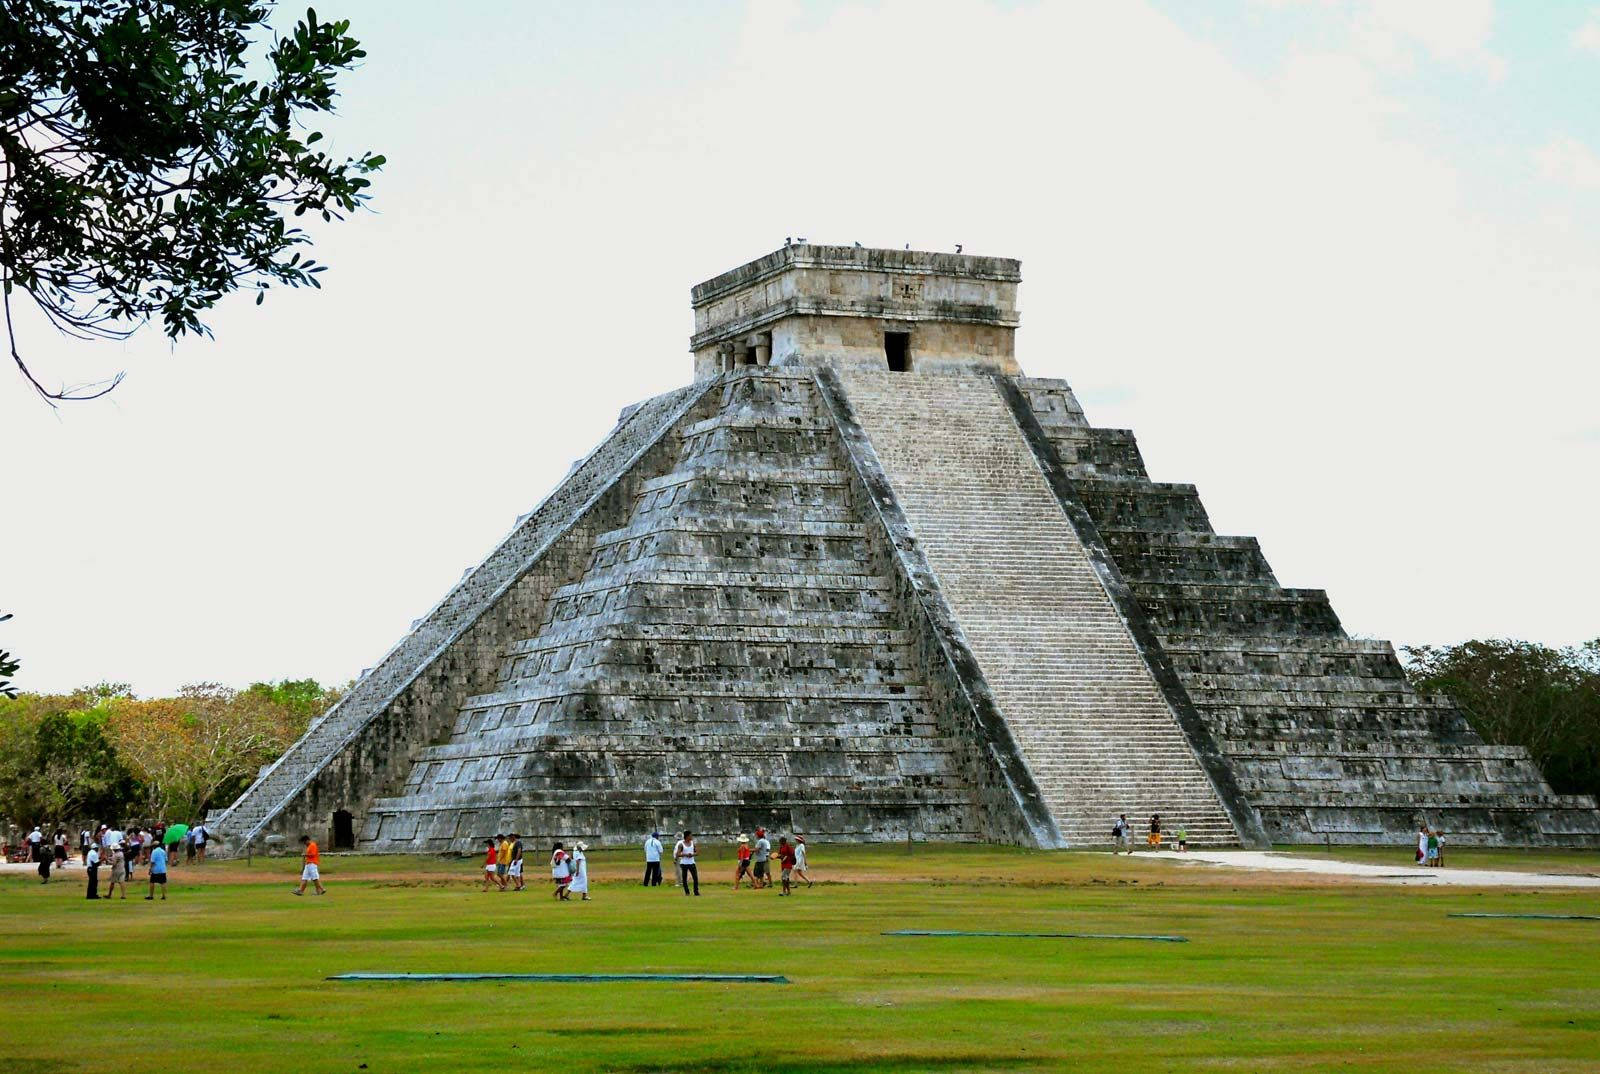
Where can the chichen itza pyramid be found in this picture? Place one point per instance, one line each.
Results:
(860, 580)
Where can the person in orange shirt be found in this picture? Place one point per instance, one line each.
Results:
(310, 874)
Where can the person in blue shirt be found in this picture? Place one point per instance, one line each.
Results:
(158, 873)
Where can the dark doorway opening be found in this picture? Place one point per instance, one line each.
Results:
(344, 830)
(897, 348)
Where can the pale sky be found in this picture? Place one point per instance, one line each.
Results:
(1338, 264)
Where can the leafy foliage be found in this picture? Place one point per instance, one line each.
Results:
(9, 666)
(101, 753)
(153, 158)
(1519, 693)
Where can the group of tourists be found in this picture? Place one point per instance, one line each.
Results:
(1122, 835)
(117, 852)
(754, 861)
(502, 867)
(1430, 847)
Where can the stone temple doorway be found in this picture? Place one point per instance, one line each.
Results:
(344, 830)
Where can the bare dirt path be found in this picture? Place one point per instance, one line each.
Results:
(1383, 874)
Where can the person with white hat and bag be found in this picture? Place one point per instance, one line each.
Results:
(580, 870)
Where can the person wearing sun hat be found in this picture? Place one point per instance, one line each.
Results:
(580, 870)
(743, 869)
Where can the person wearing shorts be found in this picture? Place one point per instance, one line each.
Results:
(502, 867)
(491, 862)
(515, 869)
(743, 868)
(310, 869)
(785, 862)
(761, 858)
(158, 874)
(1155, 831)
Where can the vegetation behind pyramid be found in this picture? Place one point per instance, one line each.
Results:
(863, 580)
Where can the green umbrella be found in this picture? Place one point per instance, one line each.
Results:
(175, 833)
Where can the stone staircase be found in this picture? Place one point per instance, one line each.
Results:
(1091, 722)
(731, 656)
(1325, 737)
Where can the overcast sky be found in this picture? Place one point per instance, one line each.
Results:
(1336, 263)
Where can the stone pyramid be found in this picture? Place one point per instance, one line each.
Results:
(862, 580)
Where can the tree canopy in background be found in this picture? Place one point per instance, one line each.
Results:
(100, 753)
(152, 157)
(1519, 693)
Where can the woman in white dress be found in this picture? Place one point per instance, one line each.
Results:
(580, 870)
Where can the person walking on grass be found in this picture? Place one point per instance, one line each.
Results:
(515, 871)
(683, 854)
(311, 867)
(118, 873)
(677, 867)
(800, 859)
(490, 861)
(762, 859)
(580, 870)
(502, 862)
(158, 873)
(742, 870)
(652, 860)
(785, 862)
(561, 871)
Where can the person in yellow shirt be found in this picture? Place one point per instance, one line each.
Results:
(502, 862)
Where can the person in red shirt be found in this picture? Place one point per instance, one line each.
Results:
(311, 872)
(785, 862)
(744, 862)
(489, 860)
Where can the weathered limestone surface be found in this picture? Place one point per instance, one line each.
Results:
(1324, 735)
(861, 581)
(1096, 731)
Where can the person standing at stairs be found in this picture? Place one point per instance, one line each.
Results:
(1155, 831)
(310, 870)
(1122, 835)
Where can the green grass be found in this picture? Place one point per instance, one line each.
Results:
(1282, 973)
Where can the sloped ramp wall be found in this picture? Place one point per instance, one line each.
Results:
(368, 740)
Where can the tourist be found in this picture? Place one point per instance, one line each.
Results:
(46, 858)
(200, 836)
(34, 839)
(743, 868)
(1183, 839)
(135, 840)
(1122, 835)
(1155, 831)
(310, 871)
(515, 871)
(91, 862)
(129, 853)
(158, 873)
(761, 857)
(683, 854)
(1422, 844)
(785, 862)
(800, 859)
(61, 847)
(502, 862)
(490, 862)
(85, 841)
(1433, 849)
(118, 872)
(677, 866)
(560, 871)
(580, 870)
(652, 860)
(188, 846)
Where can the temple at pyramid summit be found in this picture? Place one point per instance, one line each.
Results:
(862, 579)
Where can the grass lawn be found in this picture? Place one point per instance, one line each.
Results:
(1282, 973)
